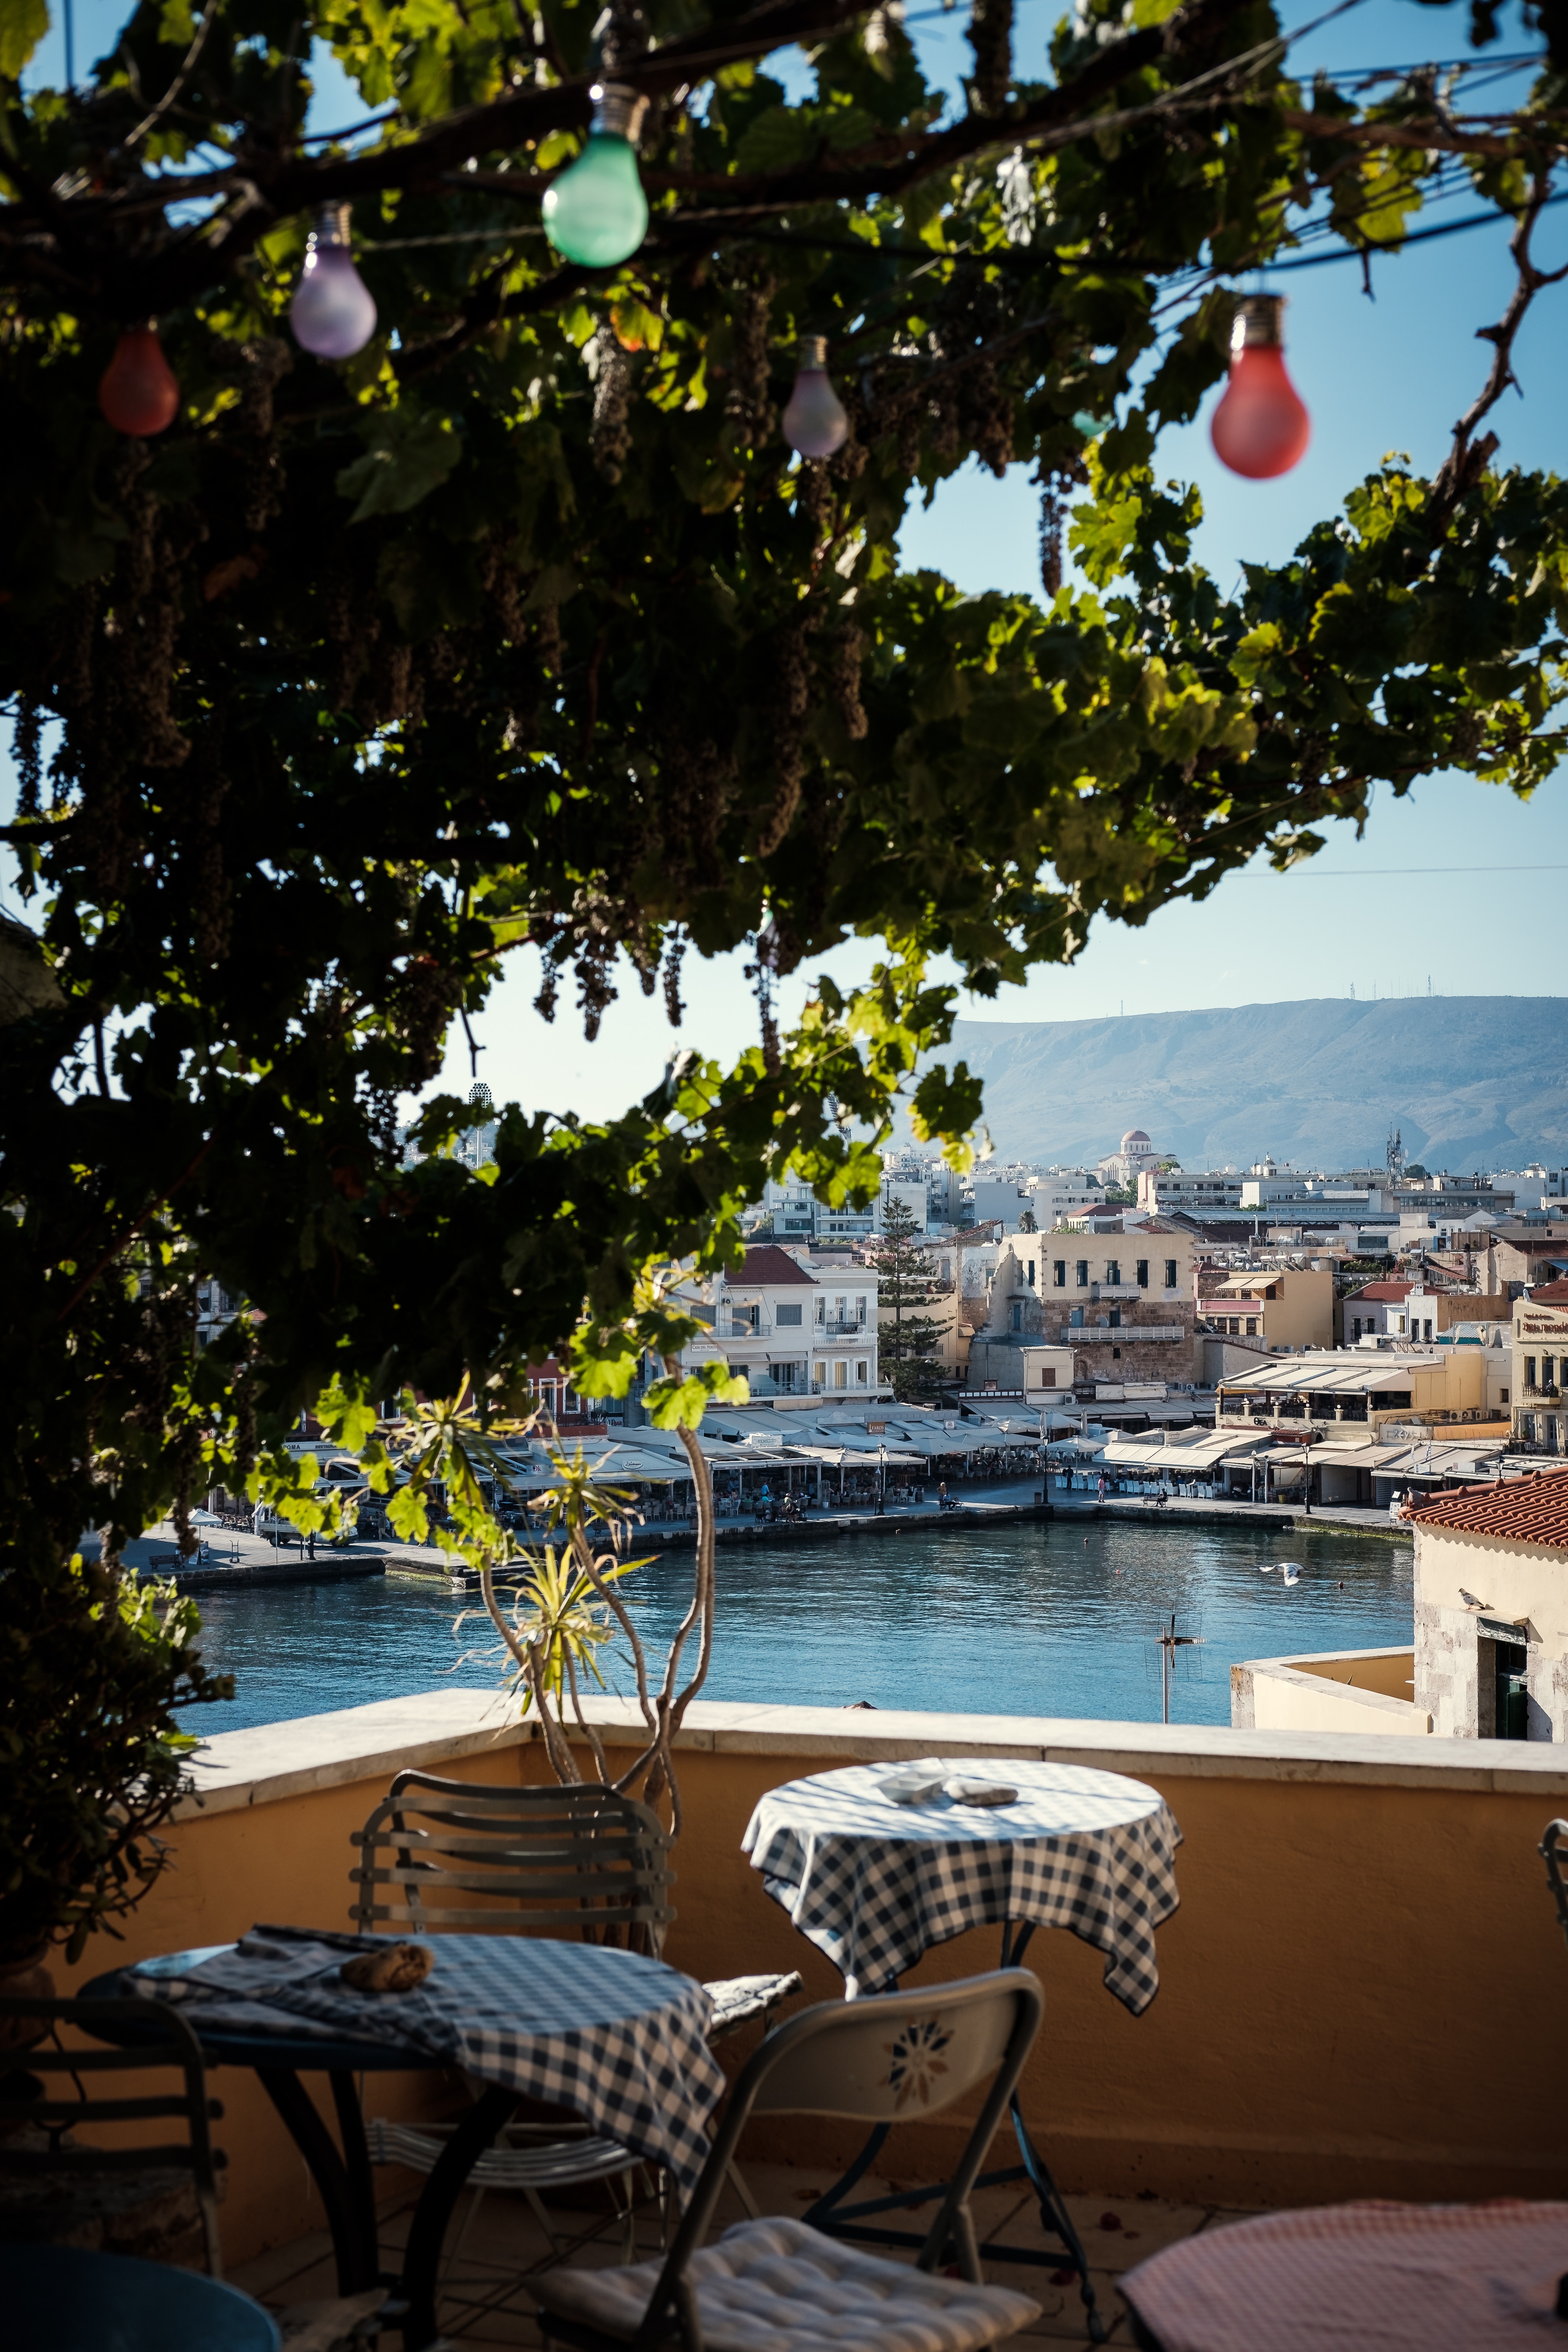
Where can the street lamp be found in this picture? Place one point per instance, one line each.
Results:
(882, 1481)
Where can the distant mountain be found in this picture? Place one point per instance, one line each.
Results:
(1470, 1081)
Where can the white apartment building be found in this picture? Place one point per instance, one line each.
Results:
(794, 1327)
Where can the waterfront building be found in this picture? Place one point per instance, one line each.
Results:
(1374, 1388)
(1540, 1339)
(1491, 1610)
(794, 1326)
(1285, 1306)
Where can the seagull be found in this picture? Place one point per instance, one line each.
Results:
(1290, 1571)
(1268, 1570)
(1470, 1601)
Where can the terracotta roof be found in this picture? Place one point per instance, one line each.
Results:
(1392, 1294)
(1532, 1510)
(1550, 1294)
(768, 1265)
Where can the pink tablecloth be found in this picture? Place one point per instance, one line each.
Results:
(1371, 2277)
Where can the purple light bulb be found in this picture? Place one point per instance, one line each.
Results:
(332, 313)
(815, 421)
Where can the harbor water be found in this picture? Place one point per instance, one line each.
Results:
(1055, 1617)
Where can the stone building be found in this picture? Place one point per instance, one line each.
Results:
(1491, 1610)
(1011, 1351)
(1540, 1400)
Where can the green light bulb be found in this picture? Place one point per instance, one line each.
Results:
(596, 213)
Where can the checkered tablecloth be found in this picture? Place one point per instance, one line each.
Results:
(874, 1884)
(620, 2040)
(1369, 2277)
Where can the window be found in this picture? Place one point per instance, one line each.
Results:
(1030, 1271)
(1017, 1318)
(1252, 1326)
(1113, 1272)
(1530, 1371)
(1428, 1330)
(1358, 1326)
(822, 1310)
(841, 1374)
(861, 1371)
(1083, 1274)
(1059, 1274)
(1548, 1372)
(787, 1318)
(1143, 1273)
(1170, 1274)
(1047, 1376)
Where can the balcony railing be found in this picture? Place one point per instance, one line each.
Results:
(849, 1327)
(1083, 1334)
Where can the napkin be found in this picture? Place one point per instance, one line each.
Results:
(912, 1788)
(981, 1793)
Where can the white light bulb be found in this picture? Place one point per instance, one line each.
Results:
(333, 311)
(815, 421)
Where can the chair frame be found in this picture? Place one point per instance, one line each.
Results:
(673, 2303)
(177, 2047)
(1556, 1833)
(562, 1839)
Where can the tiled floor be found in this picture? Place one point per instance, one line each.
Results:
(484, 2301)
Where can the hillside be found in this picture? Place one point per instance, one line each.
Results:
(1471, 1081)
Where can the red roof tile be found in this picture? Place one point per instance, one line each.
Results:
(1550, 1294)
(1532, 1510)
(1392, 1294)
(768, 1265)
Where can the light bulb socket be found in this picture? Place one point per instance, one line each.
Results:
(619, 111)
(811, 352)
(1259, 323)
(330, 226)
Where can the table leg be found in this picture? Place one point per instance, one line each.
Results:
(342, 2180)
(422, 2256)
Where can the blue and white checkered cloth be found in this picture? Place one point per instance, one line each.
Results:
(874, 1884)
(620, 2040)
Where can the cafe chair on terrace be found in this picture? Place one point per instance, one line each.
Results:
(896, 2057)
(582, 1860)
(54, 2190)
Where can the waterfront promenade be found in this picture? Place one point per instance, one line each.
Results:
(251, 1558)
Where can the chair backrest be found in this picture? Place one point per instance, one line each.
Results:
(163, 2039)
(454, 1856)
(896, 2057)
(1551, 1844)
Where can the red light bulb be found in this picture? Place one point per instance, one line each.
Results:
(139, 393)
(1261, 427)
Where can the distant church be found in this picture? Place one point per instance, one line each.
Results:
(1123, 1166)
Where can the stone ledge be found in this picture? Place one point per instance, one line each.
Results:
(365, 1743)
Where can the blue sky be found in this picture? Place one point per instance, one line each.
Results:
(1443, 883)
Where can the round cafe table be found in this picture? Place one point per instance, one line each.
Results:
(875, 1884)
(612, 2036)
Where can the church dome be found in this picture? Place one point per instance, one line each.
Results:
(1134, 1139)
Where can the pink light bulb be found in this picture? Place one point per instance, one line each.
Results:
(1261, 427)
(138, 392)
(815, 421)
(333, 311)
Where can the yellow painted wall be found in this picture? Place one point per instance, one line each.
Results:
(1290, 1701)
(1313, 2037)
(1514, 1579)
(1391, 1673)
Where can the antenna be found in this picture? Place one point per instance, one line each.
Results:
(1170, 1643)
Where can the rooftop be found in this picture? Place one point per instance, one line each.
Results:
(1349, 1369)
(1529, 1510)
(770, 1263)
(1550, 1294)
(1391, 1294)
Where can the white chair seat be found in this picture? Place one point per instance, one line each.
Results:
(737, 1999)
(776, 2285)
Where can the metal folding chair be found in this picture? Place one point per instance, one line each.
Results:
(892, 2058)
(583, 1859)
(38, 2125)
